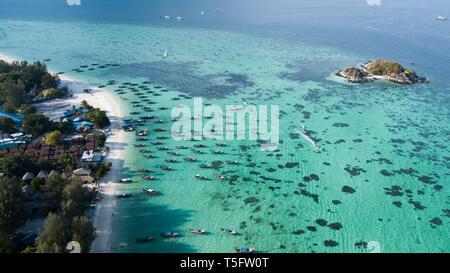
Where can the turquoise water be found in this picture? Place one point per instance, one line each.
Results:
(387, 142)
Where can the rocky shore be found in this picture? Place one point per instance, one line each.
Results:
(381, 69)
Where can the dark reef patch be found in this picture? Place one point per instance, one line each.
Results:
(184, 76)
(340, 124)
(298, 232)
(291, 165)
(354, 171)
(336, 226)
(330, 243)
(321, 222)
(315, 197)
(311, 228)
(251, 199)
(217, 164)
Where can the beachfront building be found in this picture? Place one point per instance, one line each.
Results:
(83, 126)
(91, 157)
(84, 174)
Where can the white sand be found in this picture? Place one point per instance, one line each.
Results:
(104, 211)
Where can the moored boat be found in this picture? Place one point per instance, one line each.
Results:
(200, 177)
(124, 195)
(196, 230)
(219, 176)
(146, 239)
(244, 250)
(169, 234)
(228, 231)
(125, 180)
(149, 191)
(147, 177)
(231, 162)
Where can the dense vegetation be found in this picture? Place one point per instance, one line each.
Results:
(386, 67)
(20, 82)
(97, 116)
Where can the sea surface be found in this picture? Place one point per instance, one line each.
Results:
(382, 181)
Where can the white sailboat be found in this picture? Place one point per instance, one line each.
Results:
(165, 54)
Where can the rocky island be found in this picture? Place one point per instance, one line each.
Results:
(381, 69)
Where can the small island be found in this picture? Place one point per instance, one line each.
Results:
(381, 69)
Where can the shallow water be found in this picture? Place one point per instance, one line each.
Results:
(389, 143)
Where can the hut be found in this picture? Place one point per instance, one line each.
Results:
(28, 176)
(54, 172)
(42, 174)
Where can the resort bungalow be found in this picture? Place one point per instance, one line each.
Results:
(28, 176)
(42, 174)
(84, 174)
(91, 157)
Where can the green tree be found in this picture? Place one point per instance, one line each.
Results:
(12, 94)
(36, 124)
(17, 164)
(83, 232)
(102, 170)
(11, 204)
(6, 245)
(50, 81)
(99, 118)
(7, 125)
(79, 195)
(36, 184)
(54, 238)
(66, 162)
(54, 138)
(100, 140)
(4, 67)
(55, 187)
(27, 109)
(33, 74)
(64, 127)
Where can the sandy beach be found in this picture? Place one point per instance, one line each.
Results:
(104, 211)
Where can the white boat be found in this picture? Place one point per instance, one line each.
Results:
(165, 17)
(165, 54)
(125, 180)
(309, 139)
(179, 18)
(441, 18)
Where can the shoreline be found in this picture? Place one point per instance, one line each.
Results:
(104, 210)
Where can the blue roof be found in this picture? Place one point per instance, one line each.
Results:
(11, 116)
(83, 123)
(69, 113)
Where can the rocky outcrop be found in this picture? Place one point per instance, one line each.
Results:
(354, 74)
(381, 69)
